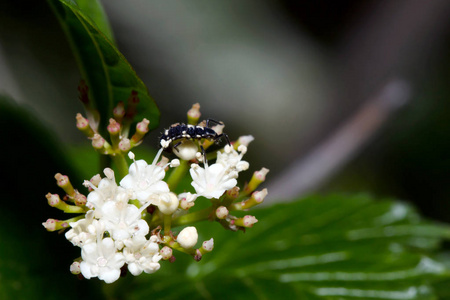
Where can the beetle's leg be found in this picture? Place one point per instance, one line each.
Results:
(217, 138)
(208, 121)
(176, 145)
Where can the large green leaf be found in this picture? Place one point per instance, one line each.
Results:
(109, 76)
(319, 248)
(94, 10)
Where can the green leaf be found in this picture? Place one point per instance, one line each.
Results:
(34, 263)
(109, 76)
(336, 247)
(94, 10)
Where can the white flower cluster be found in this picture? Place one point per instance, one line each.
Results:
(113, 233)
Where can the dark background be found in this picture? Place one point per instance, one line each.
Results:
(291, 73)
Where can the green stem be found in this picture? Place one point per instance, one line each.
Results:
(121, 164)
(197, 216)
(105, 161)
(177, 174)
(167, 224)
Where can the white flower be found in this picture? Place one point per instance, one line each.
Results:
(83, 231)
(144, 180)
(142, 255)
(232, 159)
(188, 237)
(100, 259)
(212, 181)
(123, 220)
(107, 190)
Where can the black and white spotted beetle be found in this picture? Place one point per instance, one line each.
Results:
(194, 132)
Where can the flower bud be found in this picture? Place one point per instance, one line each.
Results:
(75, 268)
(54, 225)
(119, 111)
(53, 199)
(187, 150)
(257, 178)
(166, 252)
(168, 203)
(246, 221)
(124, 145)
(208, 245)
(243, 140)
(184, 204)
(63, 182)
(98, 142)
(141, 130)
(50, 224)
(256, 198)
(113, 127)
(83, 125)
(221, 212)
(188, 237)
(80, 199)
(193, 115)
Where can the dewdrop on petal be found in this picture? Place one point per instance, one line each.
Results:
(188, 237)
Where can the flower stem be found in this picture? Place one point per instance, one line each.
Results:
(177, 174)
(167, 224)
(121, 164)
(197, 216)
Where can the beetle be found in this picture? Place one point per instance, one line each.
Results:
(194, 132)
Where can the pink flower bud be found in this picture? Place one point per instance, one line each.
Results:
(194, 114)
(221, 212)
(261, 174)
(50, 224)
(119, 111)
(113, 127)
(53, 199)
(82, 122)
(75, 268)
(97, 141)
(208, 245)
(166, 252)
(143, 126)
(80, 200)
(259, 195)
